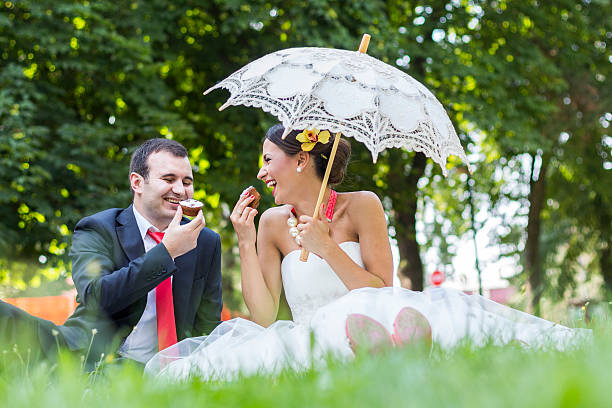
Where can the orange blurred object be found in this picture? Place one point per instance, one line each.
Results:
(53, 308)
(58, 308)
(225, 313)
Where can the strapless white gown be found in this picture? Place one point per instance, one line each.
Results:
(320, 303)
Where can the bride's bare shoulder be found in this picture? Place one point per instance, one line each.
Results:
(360, 200)
(275, 216)
(272, 225)
(359, 203)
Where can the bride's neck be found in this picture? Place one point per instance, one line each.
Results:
(305, 204)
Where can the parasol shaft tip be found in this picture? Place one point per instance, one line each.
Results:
(365, 41)
(286, 132)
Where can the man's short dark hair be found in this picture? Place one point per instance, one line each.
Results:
(141, 155)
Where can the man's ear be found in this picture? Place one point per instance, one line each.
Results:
(136, 182)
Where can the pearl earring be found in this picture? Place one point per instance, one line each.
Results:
(299, 169)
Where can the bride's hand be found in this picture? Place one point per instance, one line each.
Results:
(314, 233)
(242, 219)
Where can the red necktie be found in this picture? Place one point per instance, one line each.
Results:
(164, 306)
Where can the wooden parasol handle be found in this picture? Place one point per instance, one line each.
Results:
(365, 41)
(363, 48)
(332, 155)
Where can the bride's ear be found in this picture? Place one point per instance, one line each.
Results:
(303, 159)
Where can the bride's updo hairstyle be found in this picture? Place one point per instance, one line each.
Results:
(320, 152)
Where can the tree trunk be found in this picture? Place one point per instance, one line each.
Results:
(403, 190)
(605, 264)
(533, 264)
(605, 255)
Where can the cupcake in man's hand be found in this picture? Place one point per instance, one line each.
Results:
(191, 207)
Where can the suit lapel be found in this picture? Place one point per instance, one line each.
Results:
(129, 234)
(131, 242)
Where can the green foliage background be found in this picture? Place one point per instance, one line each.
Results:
(527, 84)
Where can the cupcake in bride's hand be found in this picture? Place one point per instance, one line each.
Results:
(250, 190)
(191, 207)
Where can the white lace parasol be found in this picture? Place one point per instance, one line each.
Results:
(348, 92)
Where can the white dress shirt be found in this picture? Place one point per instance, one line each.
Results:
(142, 344)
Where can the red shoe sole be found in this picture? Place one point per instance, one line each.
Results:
(410, 326)
(365, 333)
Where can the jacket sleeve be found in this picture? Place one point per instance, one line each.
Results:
(208, 315)
(99, 282)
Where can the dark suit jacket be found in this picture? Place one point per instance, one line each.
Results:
(113, 275)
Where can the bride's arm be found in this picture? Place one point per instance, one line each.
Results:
(366, 214)
(261, 290)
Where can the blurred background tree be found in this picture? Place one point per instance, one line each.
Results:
(526, 84)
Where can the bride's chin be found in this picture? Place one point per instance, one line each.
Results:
(282, 199)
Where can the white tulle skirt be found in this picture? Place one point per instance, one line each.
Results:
(240, 347)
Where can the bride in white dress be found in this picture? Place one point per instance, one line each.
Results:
(341, 298)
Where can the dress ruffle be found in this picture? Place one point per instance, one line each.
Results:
(321, 303)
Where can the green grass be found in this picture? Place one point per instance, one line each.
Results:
(486, 377)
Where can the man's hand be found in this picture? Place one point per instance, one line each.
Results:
(180, 239)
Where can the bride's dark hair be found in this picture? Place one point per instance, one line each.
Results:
(320, 153)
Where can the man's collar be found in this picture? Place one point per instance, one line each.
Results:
(143, 224)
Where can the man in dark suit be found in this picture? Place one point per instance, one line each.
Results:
(123, 268)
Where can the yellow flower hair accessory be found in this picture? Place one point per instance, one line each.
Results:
(310, 137)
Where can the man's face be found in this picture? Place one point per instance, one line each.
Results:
(170, 180)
